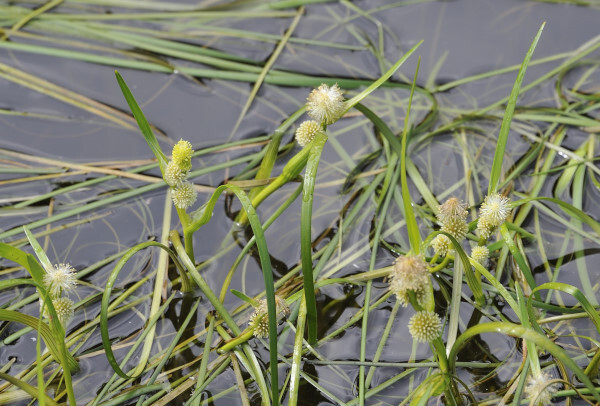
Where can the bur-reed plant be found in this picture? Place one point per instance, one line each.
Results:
(427, 273)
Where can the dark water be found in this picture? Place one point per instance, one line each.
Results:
(464, 37)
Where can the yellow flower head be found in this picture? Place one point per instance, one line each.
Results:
(182, 155)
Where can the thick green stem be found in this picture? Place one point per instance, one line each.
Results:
(290, 172)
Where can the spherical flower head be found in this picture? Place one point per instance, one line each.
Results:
(457, 227)
(451, 208)
(441, 244)
(484, 228)
(64, 309)
(480, 255)
(182, 155)
(539, 390)
(260, 320)
(425, 326)
(307, 131)
(184, 195)
(59, 279)
(325, 104)
(174, 176)
(409, 273)
(495, 208)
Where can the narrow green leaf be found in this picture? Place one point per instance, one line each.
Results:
(573, 291)
(244, 297)
(359, 97)
(143, 123)
(39, 252)
(201, 218)
(316, 148)
(508, 115)
(31, 391)
(411, 221)
(521, 261)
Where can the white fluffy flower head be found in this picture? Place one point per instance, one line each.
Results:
(184, 195)
(410, 273)
(539, 390)
(495, 209)
(451, 208)
(174, 176)
(59, 279)
(325, 104)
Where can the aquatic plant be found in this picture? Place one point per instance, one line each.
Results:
(394, 246)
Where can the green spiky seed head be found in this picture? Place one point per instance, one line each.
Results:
(422, 295)
(425, 326)
(64, 308)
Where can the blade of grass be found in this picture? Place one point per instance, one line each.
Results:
(508, 114)
(411, 221)
(316, 148)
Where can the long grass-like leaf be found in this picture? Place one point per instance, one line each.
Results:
(508, 114)
(143, 123)
(201, 218)
(573, 291)
(412, 227)
(316, 147)
(357, 99)
(31, 391)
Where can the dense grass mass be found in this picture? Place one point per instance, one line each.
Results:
(319, 216)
